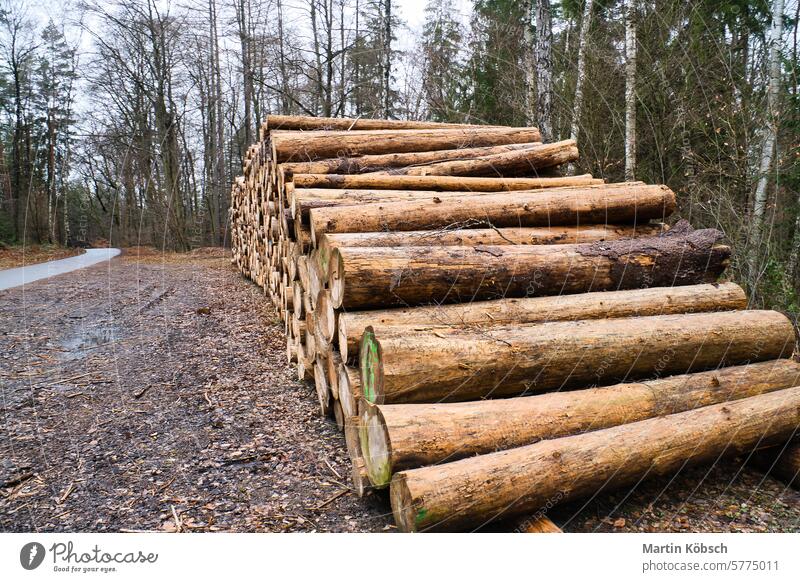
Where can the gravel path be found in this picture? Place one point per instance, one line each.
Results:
(152, 393)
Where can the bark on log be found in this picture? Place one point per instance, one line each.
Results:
(302, 201)
(599, 305)
(395, 437)
(306, 123)
(292, 145)
(517, 163)
(453, 364)
(361, 164)
(526, 479)
(363, 278)
(612, 203)
(437, 183)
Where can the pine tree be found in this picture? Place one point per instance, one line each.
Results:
(443, 76)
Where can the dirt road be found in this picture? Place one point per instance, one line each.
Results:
(152, 393)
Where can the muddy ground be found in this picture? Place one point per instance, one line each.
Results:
(152, 393)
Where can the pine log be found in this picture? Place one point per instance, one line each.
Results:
(612, 204)
(438, 183)
(302, 201)
(307, 123)
(349, 390)
(454, 364)
(599, 305)
(470, 491)
(521, 162)
(338, 415)
(363, 278)
(321, 386)
(359, 476)
(395, 437)
(482, 236)
(361, 164)
(292, 145)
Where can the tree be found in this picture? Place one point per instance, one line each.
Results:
(630, 89)
(443, 73)
(577, 106)
(544, 69)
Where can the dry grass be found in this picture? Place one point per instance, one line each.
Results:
(19, 256)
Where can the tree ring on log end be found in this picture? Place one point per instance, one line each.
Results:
(336, 278)
(376, 446)
(402, 506)
(370, 367)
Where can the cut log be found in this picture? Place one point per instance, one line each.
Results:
(599, 305)
(359, 475)
(396, 437)
(360, 164)
(438, 183)
(516, 163)
(526, 479)
(363, 278)
(351, 436)
(613, 204)
(349, 390)
(455, 364)
(338, 415)
(292, 145)
(303, 200)
(482, 236)
(321, 386)
(306, 123)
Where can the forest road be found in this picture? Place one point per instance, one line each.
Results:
(10, 278)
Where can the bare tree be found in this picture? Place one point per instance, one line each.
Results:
(577, 107)
(544, 69)
(630, 89)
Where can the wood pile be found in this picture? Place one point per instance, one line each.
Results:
(493, 337)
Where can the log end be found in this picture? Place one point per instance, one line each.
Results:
(406, 517)
(370, 359)
(321, 385)
(375, 446)
(336, 278)
(325, 316)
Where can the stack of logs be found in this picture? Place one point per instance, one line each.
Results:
(492, 337)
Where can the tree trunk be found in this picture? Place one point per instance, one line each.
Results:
(387, 59)
(305, 123)
(577, 106)
(520, 162)
(473, 237)
(471, 491)
(611, 203)
(395, 437)
(630, 89)
(364, 278)
(310, 145)
(458, 364)
(770, 131)
(544, 69)
(376, 163)
(600, 305)
(464, 184)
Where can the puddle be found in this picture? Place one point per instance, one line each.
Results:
(87, 339)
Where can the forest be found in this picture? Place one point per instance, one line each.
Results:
(127, 120)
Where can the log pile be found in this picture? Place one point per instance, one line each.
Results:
(490, 335)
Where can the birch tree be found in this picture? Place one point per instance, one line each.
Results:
(577, 107)
(630, 90)
(770, 130)
(544, 69)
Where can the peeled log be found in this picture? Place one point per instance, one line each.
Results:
(395, 437)
(359, 164)
(521, 162)
(526, 479)
(363, 278)
(310, 145)
(456, 364)
(472, 237)
(437, 183)
(600, 305)
(611, 203)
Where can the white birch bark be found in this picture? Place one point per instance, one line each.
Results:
(770, 132)
(544, 69)
(630, 90)
(586, 21)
